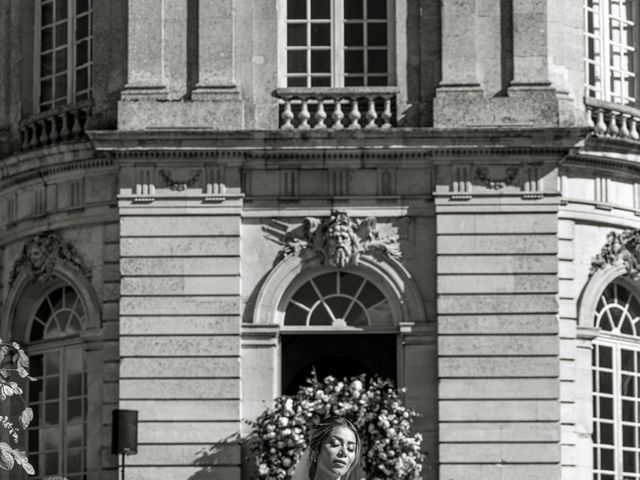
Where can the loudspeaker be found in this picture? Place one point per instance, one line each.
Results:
(124, 431)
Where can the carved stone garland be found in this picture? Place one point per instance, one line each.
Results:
(40, 254)
(621, 249)
(340, 239)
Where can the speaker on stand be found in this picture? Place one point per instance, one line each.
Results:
(124, 433)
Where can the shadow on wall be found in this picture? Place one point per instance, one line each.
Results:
(221, 455)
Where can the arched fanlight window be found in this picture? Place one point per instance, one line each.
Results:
(56, 439)
(616, 385)
(338, 299)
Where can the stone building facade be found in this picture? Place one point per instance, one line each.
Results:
(186, 185)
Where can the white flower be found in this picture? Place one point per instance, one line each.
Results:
(356, 385)
(283, 421)
(263, 469)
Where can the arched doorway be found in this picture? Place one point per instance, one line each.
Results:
(339, 323)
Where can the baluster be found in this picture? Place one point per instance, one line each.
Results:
(320, 116)
(601, 127)
(337, 116)
(287, 116)
(25, 138)
(612, 128)
(33, 143)
(65, 133)
(371, 114)
(55, 135)
(44, 136)
(624, 131)
(590, 123)
(354, 115)
(386, 113)
(633, 129)
(304, 115)
(76, 130)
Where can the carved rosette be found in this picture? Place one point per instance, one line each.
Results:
(620, 249)
(40, 255)
(340, 239)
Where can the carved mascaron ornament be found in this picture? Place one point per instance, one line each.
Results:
(40, 254)
(621, 249)
(340, 239)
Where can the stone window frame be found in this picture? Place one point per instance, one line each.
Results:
(70, 68)
(616, 343)
(63, 346)
(337, 47)
(16, 306)
(598, 23)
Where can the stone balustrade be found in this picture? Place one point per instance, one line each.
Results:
(612, 120)
(54, 126)
(337, 108)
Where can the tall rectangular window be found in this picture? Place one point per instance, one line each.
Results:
(338, 43)
(611, 36)
(64, 33)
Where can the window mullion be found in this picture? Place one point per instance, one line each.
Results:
(617, 409)
(337, 43)
(37, 48)
(605, 46)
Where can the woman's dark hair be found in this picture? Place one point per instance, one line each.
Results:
(319, 434)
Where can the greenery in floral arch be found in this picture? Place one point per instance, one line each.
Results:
(374, 405)
(14, 361)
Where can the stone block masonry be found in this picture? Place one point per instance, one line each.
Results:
(180, 340)
(498, 346)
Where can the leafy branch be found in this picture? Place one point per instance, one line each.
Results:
(14, 361)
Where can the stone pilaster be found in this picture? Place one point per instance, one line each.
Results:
(180, 322)
(498, 346)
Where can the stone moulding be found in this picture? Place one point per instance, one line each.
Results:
(339, 239)
(40, 255)
(179, 185)
(620, 249)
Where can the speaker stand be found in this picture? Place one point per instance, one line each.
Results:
(122, 478)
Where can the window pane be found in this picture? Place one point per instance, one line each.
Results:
(606, 433)
(606, 408)
(51, 463)
(82, 6)
(357, 81)
(320, 316)
(61, 60)
(82, 27)
(296, 34)
(338, 306)
(370, 295)
(376, 8)
(61, 34)
(353, 9)
(306, 295)
(353, 35)
(377, 81)
(296, 61)
(51, 363)
(295, 316)
(377, 61)
(46, 64)
(61, 87)
(353, 61)
(321, 34)
(320, 8)
(604, 356)
(326, 283)
(74, 411)
(606, 459)
(73, 436)
(74, 384)
(321, 61)
(47, 14)
(320, 81)
(51, 413)
(46, 39)
(357, 317)
(51, 387)
(296, 81)
(377, 34)
(606, 383)
(74, 461)
(296, 9)
(61, 10)
(349, 284)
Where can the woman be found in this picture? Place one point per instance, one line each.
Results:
(333, 452)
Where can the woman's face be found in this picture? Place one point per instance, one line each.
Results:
(337, 453)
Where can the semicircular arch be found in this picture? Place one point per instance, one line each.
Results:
(63, 275)
(387, 274)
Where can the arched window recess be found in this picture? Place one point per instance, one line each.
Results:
(340, 274)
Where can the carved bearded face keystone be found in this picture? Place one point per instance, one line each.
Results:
(37, 255)
(340, 240)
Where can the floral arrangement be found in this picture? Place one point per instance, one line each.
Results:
(14, 361)
(375, 407)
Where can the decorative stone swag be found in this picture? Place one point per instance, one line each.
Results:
(337, 108)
